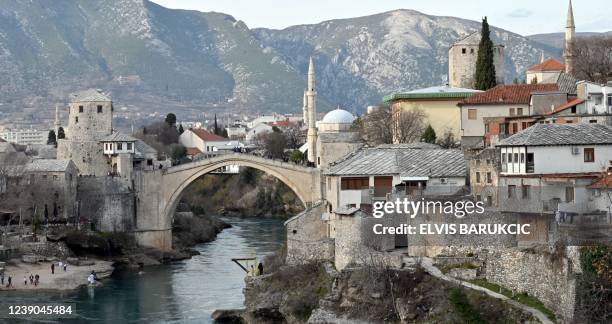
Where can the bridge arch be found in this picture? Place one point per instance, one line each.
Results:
(160, 191)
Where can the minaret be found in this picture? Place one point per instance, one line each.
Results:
(305, 108)
(311, 97)
(542, 57)
(56, 125)
(570, 32)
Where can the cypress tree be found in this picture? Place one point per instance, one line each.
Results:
(485, 69)
(181, 130)
(429, 136)
(60, 133)
(51, 139)
(216, 129)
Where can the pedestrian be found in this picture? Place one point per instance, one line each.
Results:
(10, 282)
(25, 280)
(36, 278)
(2, 278)
(65, 266)
(52, 268)
(260, 268)
(31, 279)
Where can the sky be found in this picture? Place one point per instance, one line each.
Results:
(525, 17)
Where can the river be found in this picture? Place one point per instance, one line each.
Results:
(183, 292)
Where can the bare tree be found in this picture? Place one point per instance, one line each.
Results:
(593, 58)
(448, 140)
(375, 127)
(408, 125)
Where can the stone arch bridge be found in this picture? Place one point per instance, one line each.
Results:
(158, 192)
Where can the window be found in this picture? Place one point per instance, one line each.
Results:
(524, 125)
(512, 112)
(509, 157)
(511, 191)
(463, 51)
(525, 191)
(573, 110)
(129, 146)
(589, 154)
(99, 109)
(119, 146)
(503, 158)
(489, 201)
(522, 157)
(486, 128)
(478, 178)
(569, 194)
(489, 177)
(354, 183)
(569, 121)
(76, 120)
(55, 177)
(516, 157)
(519, 111)
(472, 114)
(593, 121)
(80, 109)
(514, 128)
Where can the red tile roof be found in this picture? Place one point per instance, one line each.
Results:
(603, 183)
(569, 104)
(548, 65)
(193, 151)
(206, 135)
(283, 124)
(508, 94)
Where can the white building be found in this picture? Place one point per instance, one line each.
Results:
(26, 136)
(253, 133)
(207, 142)
(598, 97)
(236, 132)
(548, 71)
(372, 174)
(547, 170)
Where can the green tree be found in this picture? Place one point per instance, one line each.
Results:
(179, 152)
(276, 129)
(171, 119)
(60, 133)
(296, 156)
(275, 145)
(51, 140)
(216, 130)
(180, 129)
(534, 80)
(429, 136)
(485, 69)
(515, 81)
(224, 133)
(248, 176)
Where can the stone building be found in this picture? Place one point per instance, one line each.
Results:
(438, 103)
(90, 120)
(548, 71)
(335, 139)
(484, 176)
(462, 62)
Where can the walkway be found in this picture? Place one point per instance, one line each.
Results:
(427, 264)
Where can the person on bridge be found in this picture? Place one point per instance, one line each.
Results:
(52, 268)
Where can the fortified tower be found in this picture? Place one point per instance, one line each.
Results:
(311, 104)
(90, 119)
(570, 33)
(462, 62)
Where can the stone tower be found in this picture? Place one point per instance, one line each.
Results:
(305, 108)
(570, 33)
(462, 62)
(56, 124)
(311, 106)
(90, 118)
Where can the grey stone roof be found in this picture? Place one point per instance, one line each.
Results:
(47, 165)
(567, 83)
(118, 137)
(415, 145)
(89, 95)
(561, 134)
(474, 39)
(409, 162)
(144, 148)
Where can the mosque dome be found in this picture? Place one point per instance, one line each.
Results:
(338, 116)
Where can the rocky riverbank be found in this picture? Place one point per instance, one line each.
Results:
(317, 293)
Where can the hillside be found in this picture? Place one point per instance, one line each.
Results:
(155, 59)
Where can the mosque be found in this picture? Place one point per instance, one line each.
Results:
(331, 138)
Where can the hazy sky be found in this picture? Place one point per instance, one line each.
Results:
(521, 16)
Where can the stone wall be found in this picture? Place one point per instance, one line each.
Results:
(107, 202)
(88, 156)
(46, 249)
(550, 278)
(307, 237)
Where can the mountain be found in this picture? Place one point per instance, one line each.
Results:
(557, 40)
(156, 59)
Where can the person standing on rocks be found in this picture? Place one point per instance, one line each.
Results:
(260, 268)
(31, 279)
(2, 278)
(36, 278)
(10, 282)
(25, 280)
(52, 268)
(65, 266)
